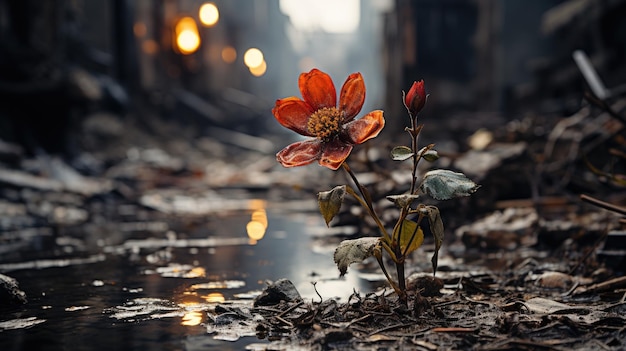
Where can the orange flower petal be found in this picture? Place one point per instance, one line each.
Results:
(335, 152)
(293, 113)
(317, 89)
(300, 153)
(352, 96)
(365, 128)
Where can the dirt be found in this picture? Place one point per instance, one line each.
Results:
(526, 305)
(518, 270)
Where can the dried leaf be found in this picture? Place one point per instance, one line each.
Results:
(436, 227)
(330, 202)
(351, 251)
(401, 153)
(443, 184)
(402, 200)
(409, 228)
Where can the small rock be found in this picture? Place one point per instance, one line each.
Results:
(10, 294)
(281, 290)
(227, 318)
(555, 280)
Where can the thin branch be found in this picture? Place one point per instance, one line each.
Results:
(602, 204)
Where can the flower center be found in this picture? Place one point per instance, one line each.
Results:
(325, 123)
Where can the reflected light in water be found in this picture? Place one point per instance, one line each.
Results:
(256, 231)
(209, 14)
(229, 54)
(257, 204)
(214, 297)
(187, 36)
(258, 222)
(192, 318)
(196, 272)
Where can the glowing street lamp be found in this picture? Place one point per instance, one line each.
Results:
(209, 14)
(186, 36)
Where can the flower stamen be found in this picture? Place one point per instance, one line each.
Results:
(325, 123)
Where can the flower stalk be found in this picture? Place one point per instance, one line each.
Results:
(334, 131)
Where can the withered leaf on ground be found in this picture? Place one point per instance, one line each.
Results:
(351, 251)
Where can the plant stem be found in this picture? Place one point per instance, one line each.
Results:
(401, 281)
(367, 200)
(415, 132)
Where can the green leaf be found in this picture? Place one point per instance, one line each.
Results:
(443, 184)
(430, 155)
(330, 202)
(401, 153)
(436, 227)
(410, 230)
(351, 251)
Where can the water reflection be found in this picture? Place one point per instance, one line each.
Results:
(214, 297)
(201, 263)
(257, 226)
(192, 318)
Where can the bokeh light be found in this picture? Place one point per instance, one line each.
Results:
(257, 226)
(214, 297)
(259, 70)
(149, 46)
(253, 58)
(229, 54)
(140, 29)
(209, 14)
(187, 36)
(192, 318)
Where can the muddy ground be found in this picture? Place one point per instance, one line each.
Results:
(526, 263)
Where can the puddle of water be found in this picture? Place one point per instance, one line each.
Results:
(153, 289)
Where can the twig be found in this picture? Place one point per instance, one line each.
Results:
(362, 318)
(290, 309)
(284, 321)
(453, 330)
(589, 96)
(605, 205)
(391, 327)
(317, 292)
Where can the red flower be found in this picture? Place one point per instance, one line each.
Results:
(317, 115)
(415, 99)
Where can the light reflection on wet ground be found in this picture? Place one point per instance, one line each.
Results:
(153, 289)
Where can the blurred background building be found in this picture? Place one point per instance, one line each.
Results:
(221, 64)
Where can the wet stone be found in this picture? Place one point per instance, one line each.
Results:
(281, 290)
(227, 318)
(228, 314)
(10, 293)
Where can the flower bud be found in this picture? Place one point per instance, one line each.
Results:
(415, 99)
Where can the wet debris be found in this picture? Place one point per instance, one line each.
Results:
(273, 294)
(506, 229)
(555, 280)
(145, 308)
(10, 293)
(452, 319)
(57, 176)
(20, 323)
(613, 251)
(478, 163)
